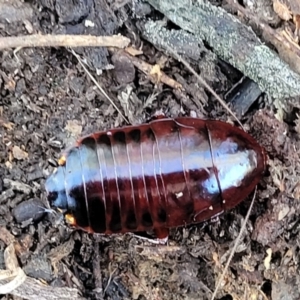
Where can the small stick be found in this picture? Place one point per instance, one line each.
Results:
(236, 243)
(98, 85)
(160, 36)
(205, 84)
(97, 272)
(49, 40)
(155, 74)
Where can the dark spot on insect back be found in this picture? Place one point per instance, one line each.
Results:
(97, 214)
(135, 135)
(80, 211)
(103, 139)
(115, 223)
(150, 134)
(119, 137)
(147, 220)
(131, 222)
(162, 216)
(89, 142)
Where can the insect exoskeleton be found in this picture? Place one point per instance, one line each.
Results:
(164, 174)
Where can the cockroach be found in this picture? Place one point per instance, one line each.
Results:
(163, 174)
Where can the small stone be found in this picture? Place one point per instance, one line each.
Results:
(33, 209)
(18, 153)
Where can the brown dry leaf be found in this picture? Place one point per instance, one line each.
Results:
(296, 20)
(10, 84)
(18, 153)
(6, 236)
(74, 127)
(58, 253)
(277, 174)
(8, 125)
(156, 73)
(287, 9)
(216, 259)
(23, 244)
(283, 212)
(159, 253)
(147, 271)
(282, 10)
(8, 165)
(296, 191)
(10, 157)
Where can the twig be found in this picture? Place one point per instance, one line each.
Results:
(111, 273)
(98, 85)
(203, 82)
(236, 243)
(154, 73)
(97, 272)
(39, 40)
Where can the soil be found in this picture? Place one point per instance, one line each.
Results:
(47, 101)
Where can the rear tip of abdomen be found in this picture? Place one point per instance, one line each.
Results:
(239, 160)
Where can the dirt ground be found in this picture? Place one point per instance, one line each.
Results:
(47, 101)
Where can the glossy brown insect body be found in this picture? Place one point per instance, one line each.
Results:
(168, 173)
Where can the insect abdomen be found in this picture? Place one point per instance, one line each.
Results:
(168, 173)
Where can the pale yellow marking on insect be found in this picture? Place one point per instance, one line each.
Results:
(224, 201)
(70, 219)
(62, 160)
(211, 208)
